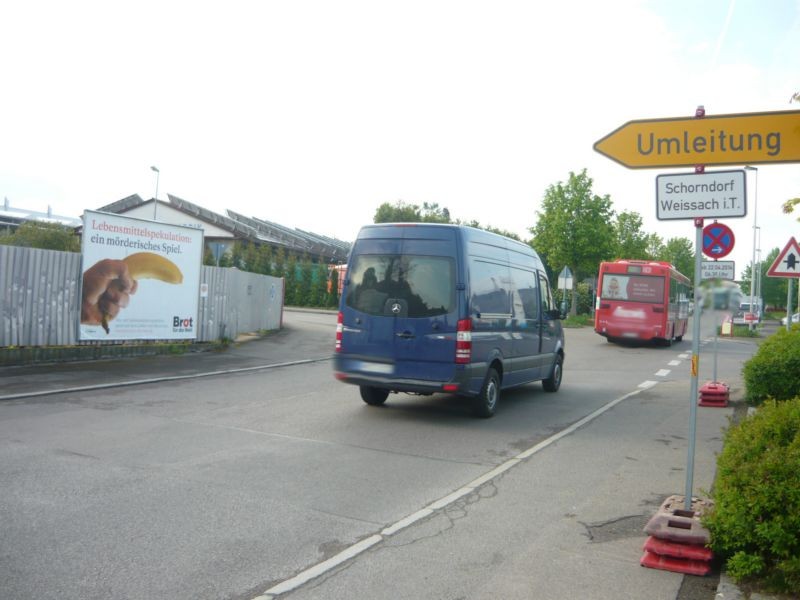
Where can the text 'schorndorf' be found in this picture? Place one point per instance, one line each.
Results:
(716, 194)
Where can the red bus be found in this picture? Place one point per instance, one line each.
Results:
(641, 300)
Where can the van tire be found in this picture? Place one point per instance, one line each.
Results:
(485, 404)
(373, 396)
(553, 382)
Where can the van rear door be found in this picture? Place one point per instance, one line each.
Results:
(400, 308)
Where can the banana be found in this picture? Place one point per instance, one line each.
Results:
(147, 265)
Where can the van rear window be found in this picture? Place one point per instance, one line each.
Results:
(422, 286)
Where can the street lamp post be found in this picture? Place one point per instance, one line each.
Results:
(758, 270)
(753, 262)
(155, 198)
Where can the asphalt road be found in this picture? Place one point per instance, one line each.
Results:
(277, 481)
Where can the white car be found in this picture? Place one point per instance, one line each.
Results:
(795, 319)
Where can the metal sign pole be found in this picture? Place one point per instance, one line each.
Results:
(716, 336)
(698, 309)
(789, 306)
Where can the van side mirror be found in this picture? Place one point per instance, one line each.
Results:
(554, 314)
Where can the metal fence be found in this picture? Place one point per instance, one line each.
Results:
(40, 299)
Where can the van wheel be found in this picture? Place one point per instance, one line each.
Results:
(552, 383)
(373, 396)
(485, 404)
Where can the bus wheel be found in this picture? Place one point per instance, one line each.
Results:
(373, 396)
(552, 383)
(485, 404)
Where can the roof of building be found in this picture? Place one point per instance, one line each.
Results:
(10, 215)
(248, 228)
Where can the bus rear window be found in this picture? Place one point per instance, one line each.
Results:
(634, 288)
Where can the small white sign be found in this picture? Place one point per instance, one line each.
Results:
(565, 279)
(716, 194)
(718, 269)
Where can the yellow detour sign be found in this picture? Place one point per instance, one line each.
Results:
(750, 138)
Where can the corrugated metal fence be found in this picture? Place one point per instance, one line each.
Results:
(40, 299)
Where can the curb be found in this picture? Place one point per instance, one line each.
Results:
(727, 589)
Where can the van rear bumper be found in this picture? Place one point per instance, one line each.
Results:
(359, 372)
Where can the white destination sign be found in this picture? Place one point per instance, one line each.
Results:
(718, 269)
(717, 194)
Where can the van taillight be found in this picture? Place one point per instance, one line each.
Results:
(464, 342)
(339, 328)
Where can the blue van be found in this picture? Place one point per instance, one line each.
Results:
(431, 308)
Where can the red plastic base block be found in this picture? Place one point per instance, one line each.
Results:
(714, 393)
(675, 524)
(677, 550)
(676, 565)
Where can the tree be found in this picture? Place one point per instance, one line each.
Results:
(238, 257)
(265, 259)
(208, 258)
(291, 282)
(789, 205)
(48, 236)
(400, 212)
(319, 285)
(631, 240)
(655, 246)
(279, 265)
(304, 296)
(432, 213)
(773, 289)
(679, 252)
(575, 228)
(333, 295)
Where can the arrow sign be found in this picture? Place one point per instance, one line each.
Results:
(717, 240)
(749, 138)
(787, 263)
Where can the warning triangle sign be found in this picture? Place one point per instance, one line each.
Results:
(787, 264)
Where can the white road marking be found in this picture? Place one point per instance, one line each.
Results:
(663, 372)
(364, 545)
(674, 363)
(684, 356)
(116, 384)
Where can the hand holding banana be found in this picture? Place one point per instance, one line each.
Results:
(109, 283)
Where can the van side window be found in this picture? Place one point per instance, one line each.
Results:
(528, 292)
(490, 284)
(544, 294)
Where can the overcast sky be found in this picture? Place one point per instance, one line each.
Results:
(313, 113)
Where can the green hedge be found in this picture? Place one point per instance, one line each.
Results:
(755, 523)
(774, 371)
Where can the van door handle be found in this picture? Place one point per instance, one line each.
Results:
(405, 335)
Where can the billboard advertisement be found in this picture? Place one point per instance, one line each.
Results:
(140, 280)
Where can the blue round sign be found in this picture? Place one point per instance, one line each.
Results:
(718, 240)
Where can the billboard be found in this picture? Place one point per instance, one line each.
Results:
(140, 280)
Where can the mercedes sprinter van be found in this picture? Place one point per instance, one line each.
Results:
(433, 308)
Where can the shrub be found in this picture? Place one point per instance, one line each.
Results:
(755, 522)
(773, 371)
